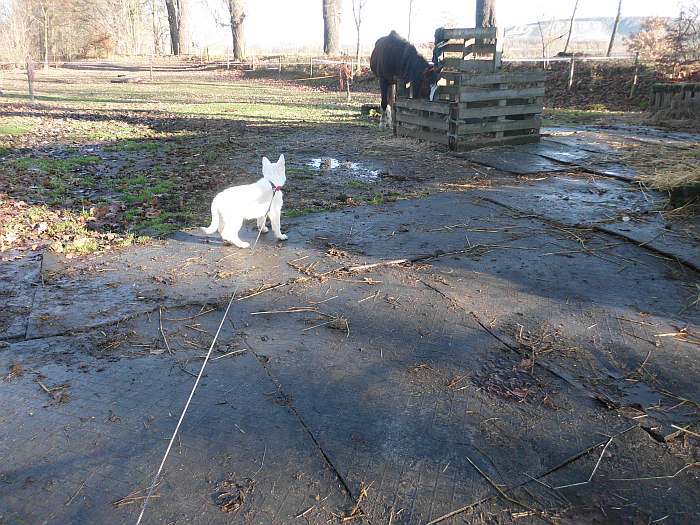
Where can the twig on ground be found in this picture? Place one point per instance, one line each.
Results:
(498, 488)
(263, 290)
(162, 332)
(294, 310)
(685, 429)
(595, 469)
(203, 312)
(689, 465)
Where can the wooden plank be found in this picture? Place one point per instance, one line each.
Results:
(505, 125)
(503, 78)
(452, 48)
(465, 145)
(499, 111)
(424, 105)
(437, 123)
(467, 65)
(443, 33)
(467, 95)
(481, 49)
(440, 138)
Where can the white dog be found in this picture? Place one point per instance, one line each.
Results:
(251, 201)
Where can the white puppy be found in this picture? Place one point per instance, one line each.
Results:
(251, 201)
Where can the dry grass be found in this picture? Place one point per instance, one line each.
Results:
(666, 173)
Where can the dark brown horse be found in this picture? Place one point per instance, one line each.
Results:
(395, 59)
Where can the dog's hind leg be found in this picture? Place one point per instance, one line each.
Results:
(261, 224)
(230, 233)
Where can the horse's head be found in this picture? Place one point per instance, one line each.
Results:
(426, 80)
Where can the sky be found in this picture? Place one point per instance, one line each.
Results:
(298, 23)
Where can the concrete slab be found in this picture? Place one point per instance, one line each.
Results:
(506, 346)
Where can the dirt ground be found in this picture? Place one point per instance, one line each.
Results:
(503, 336)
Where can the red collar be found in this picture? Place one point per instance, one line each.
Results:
(275, 189)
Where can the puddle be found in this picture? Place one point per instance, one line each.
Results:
(354, 168)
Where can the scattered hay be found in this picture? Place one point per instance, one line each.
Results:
(230, 495)
(675, 171)
(16, 371)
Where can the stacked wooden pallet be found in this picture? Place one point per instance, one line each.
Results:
(477, 104)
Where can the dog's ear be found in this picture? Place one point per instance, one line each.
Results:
(266, 162)
(281, 159)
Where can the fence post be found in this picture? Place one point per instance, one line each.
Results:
(279, 67)
(150, 66)
(571, 72)
(228, 60)
(311, 67)
(633, 89)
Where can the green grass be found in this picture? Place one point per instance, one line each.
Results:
(14, 129)
(358, 185)
(56, 165)
(5, 151)
(376, 200)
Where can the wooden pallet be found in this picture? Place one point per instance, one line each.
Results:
(477, 104)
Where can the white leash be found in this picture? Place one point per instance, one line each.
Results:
(201, 371)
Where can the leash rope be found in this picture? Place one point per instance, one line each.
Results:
(201, 370)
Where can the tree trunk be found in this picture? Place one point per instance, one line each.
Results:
(485, 13)
(174, 26)
(571, 27)
(410, 18)
(45, 13)
(614, 30)
(485, 17)
(237, 12)
(182, 19)
(331, 27)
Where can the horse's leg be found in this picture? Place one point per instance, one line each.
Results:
(391, 101)
(384, 86)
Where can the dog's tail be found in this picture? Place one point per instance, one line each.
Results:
(214, 221)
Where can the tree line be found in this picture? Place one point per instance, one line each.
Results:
(68, 29)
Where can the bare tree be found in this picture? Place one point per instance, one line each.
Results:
(177, 19)
(614, 29)
(357, 7)
(331, 26)
(237, 13)
(410, 18)
(571, 27)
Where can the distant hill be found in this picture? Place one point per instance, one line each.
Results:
(590, 35)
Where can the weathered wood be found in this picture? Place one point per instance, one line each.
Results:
(443, 34)
(480, 49)
(465, 145)
(503, 78)
(498, 111)
(440, 138)
(467, 65)
(423, 105)
(467, 95)
(452, 48)
(438, 123)
(505, 125)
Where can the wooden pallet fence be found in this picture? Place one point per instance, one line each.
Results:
(487, 110)
(677, 96)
